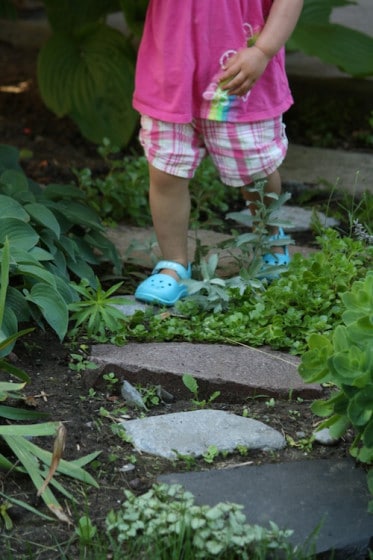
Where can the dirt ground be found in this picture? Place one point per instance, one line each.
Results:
(62, 392)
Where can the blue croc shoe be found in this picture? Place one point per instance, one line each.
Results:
(275, 259)
(162, 288)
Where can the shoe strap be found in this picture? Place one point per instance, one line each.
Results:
(279, 235)
(182, 272)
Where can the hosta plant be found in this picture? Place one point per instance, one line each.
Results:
(19, 425)
(86, 68)
(345, 359)
(53, 237)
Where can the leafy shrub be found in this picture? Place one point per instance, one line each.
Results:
(86, 70)
(31, 459)
(345, 359)
(306, 299)
(165, 523)
(53, 237)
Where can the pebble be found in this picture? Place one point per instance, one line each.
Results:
(324, 437)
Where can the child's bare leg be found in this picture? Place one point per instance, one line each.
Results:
(170, 207)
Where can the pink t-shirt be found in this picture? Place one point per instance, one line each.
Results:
(183, 48)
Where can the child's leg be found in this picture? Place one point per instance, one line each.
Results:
(170, 207)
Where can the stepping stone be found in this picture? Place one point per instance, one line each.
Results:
(300, 219)
(236, 371)
(329, 496)
(192, 433)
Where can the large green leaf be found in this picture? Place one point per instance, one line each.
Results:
(16, 302)
(90, 77)
(319, 11)
(38, 273)
(348, 49)
(10, 208)
(55, 191)
(66, 15)
(20, 234)
(42, 215)
(9, 158)
(9, 327)
(76, 213)
(52, 306)
(14, 181)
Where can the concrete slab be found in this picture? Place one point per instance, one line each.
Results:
(349, 171)
(236, 371)
(300, 219)
(192, 433)
(328, 495)
(139, 246)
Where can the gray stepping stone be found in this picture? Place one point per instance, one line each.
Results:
(192, 433)
(330, 495)
(236, 371)
(300, 219)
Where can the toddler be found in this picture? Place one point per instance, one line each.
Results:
(210, 79)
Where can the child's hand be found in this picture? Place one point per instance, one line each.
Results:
(242, 70)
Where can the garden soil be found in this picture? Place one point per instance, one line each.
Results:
(54, 147)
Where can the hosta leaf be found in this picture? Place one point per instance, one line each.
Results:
(42, 215)
(16, 302)
(37, 272)
(20, 234)
(57, 62)
(82, 270)
(67, 14)
(9, 158)
(15, 180)
(319, 11)
(10, 208)
(40, 254)
(56, 192)
(335, 44)
(65, 290)
(9, 327)
(90, 76)
(80, 214)
(52, 306)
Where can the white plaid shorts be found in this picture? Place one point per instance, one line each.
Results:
(241, 152)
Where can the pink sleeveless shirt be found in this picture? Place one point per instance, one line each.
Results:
(184, 45)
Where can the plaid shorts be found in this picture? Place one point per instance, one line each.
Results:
(241, 152)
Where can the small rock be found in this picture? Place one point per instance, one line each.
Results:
(127, 468)
(324, 437)
(132, 396)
